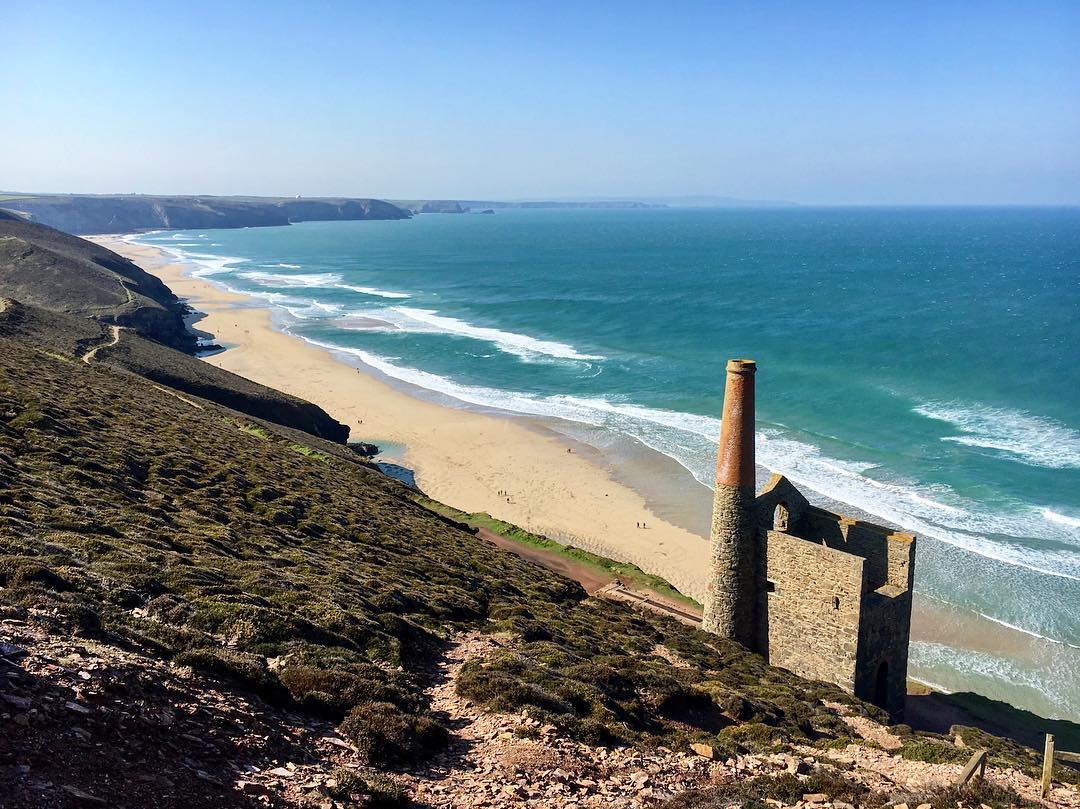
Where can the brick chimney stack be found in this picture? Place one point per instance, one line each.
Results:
(732, 589)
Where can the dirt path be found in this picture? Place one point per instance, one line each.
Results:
(589, 578)
(88, 357)
(497, 760)
(617, 591)
(596, 582)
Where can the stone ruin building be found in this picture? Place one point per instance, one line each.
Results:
(825, 596)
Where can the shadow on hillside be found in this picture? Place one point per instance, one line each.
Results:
(123, 730)
(937, 713)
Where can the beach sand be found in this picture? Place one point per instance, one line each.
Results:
(459, 457)
(466, 458)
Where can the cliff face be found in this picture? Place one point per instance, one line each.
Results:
(124, 214)
(58, 271)
(91, 341)
(73, 296)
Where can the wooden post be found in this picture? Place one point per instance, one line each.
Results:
(976, 764)
(1048, 764)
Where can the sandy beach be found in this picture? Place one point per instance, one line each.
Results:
(462, 458)
(514, 468)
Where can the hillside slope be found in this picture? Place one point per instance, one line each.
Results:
(55, 270)
(91, 341)
(203, 610)
(77, 213)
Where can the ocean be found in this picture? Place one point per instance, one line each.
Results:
(920, 367)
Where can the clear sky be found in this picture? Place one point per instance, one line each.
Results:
(814, 102)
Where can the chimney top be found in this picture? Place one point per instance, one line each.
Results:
(735, 461)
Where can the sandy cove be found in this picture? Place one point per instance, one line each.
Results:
(465, 459)
(459, 457)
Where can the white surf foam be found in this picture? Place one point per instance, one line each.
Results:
(298, 308)
(1033, 440)
(1030, 632)
(999, 677)
(323, 280)
(410, 319)
(1060, 519)
(691, 440)
(206, 264)
(378, 293)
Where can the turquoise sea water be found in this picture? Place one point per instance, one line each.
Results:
(918, 365)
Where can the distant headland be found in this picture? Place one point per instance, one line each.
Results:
(128, 213)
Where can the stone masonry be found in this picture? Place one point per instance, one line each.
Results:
(731, 599)
(825, 596)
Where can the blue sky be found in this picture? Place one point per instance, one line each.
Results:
(815, 102)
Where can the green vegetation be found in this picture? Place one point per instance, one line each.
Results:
(753, 792)
(974, 793)
(631, 574)
(390, 737)
(368, 788)
(934, 751)
(314, 454)
(128, 515)
(1007, 753)
(253, 429)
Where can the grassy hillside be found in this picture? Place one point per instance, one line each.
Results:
(45, 267)
(68, 285)
(195, 535)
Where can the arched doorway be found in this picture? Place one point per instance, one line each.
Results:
(781, 517)
(881, 685)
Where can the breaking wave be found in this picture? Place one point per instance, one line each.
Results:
(379, 293)
(321, 280)
(409, 319)
(954, 669)
(691, 440)
(1032, 440)
(1060, 519)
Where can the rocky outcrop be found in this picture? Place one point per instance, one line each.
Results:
(127, 213)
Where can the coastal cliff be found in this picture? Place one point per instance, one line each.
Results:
(84, 300)
(205, 610)
(76, 213)
(204, 607)
(46, 267)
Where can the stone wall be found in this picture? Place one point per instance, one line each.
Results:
(780, 492)
(881, 666)
(885, 631)
(812, 608)
(730, 601)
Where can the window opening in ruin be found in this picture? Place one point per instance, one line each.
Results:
(781, 517)
(836, 602)
(881, 686)
(770, 586)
